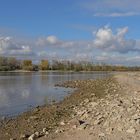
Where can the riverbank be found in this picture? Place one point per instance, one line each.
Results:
(98, 109)
(114, 117)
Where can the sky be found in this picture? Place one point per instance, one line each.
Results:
(102, 31)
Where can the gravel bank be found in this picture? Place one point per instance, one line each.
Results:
(98, 109)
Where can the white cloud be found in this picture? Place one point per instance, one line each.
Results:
(112, 8)
(115, 14)
(50, 40)
(104, 46)
(47, 55)
(119, 59)
(9, 46)
(82, 56)
(106, 40)
(53, 41)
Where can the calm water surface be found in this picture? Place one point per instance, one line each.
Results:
(20, 92)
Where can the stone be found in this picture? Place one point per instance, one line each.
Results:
(86, 101)
(136, 117)
(98, 122)
(138, 121)
(74, 126)
(84, 116)
(131, 130)
(62, 123)
(100, 117)
(106, 124)
(83, 126)
(79, 113)
(44, 130)
(33, 117)
(109, 130)
(37, 134)
(102, 135)
(81, 122)
(93, 104)
(133, 122)
(23, 136)
(120, 128)
(131, 109)
(46, 133)
(32, 137)
(59, 131)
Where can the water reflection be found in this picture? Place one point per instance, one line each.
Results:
(19, 91)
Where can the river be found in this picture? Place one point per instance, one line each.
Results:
(22, 91)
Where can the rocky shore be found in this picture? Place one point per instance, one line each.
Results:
(106, 109)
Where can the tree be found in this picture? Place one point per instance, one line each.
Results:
(13, 63)
(44, 65)
(3, 61)
(27, 65)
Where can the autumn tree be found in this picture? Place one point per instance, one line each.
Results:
(44, 65)
(27, 65)
(8, 63)
(13, 63)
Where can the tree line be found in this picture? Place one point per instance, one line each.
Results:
(11, 64)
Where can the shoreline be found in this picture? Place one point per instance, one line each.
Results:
(41, 71)
(90, 108)
(56, 112)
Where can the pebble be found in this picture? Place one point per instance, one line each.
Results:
(32, 137)
(74, 126)
(46, 133)
(131, 130)
(37, 134)
(44, 130)
(102, 135)
(59, 131)
(62, 123)
(120, 128)
(83, 126)
(81, 122)
(98, 121)
(22, 136)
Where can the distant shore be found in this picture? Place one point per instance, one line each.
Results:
(24, 71)
(54, 71)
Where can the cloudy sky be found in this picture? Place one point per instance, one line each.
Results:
(98, 30)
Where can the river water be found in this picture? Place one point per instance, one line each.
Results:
(20, 92)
